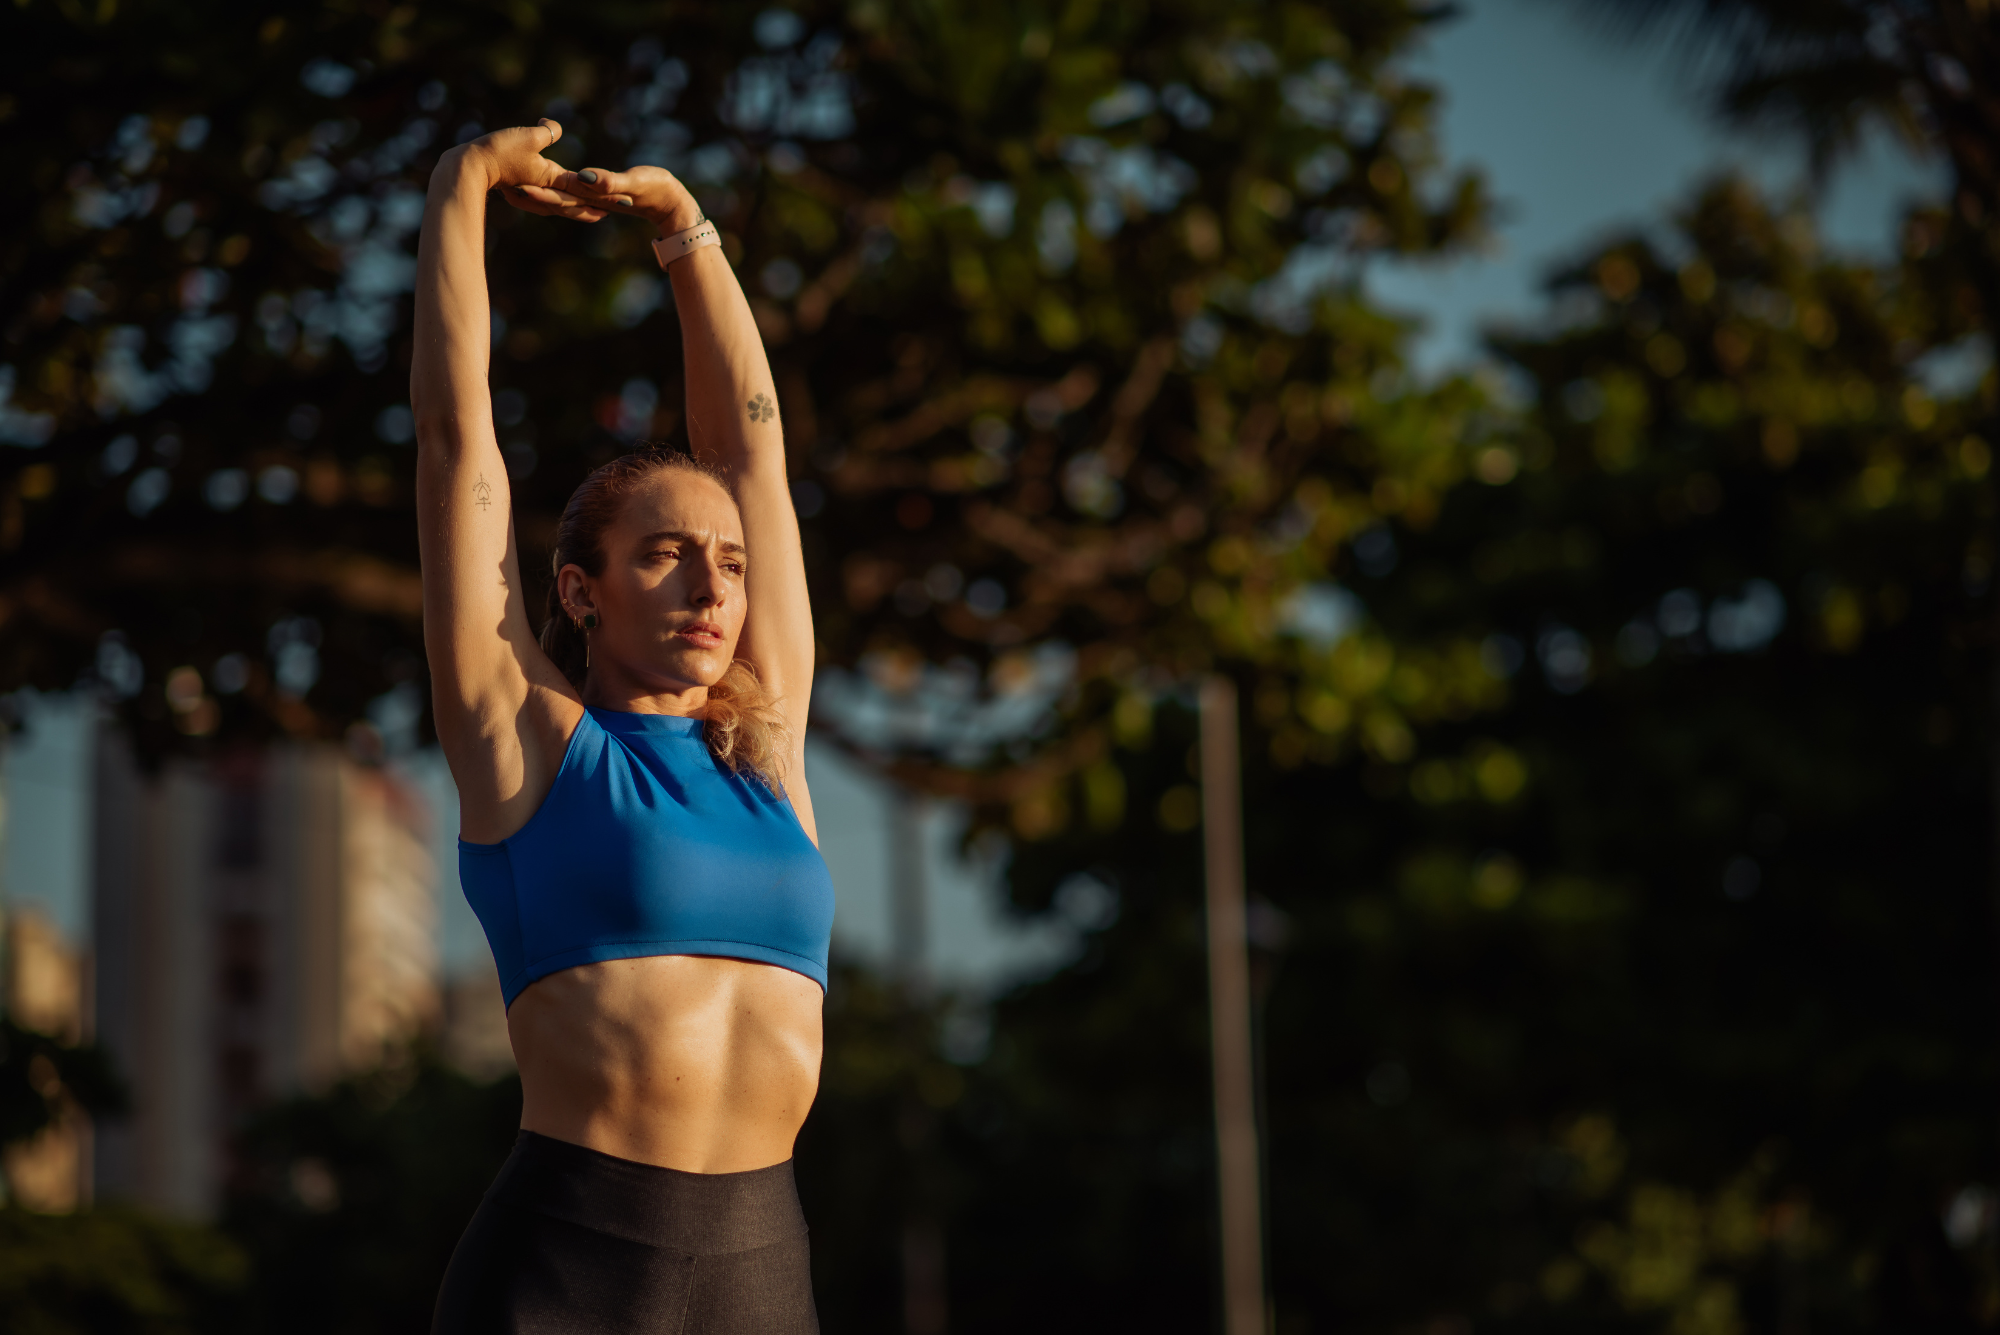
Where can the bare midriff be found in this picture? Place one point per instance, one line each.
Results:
(705, 1065)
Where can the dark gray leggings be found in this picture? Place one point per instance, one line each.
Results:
(573, 1242)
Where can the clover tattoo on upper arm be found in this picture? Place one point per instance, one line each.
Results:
(762, 409)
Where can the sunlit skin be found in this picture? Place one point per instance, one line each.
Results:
(705, 1065)
(669, 600)
(647, 1058)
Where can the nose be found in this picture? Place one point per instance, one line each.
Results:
(707, 588)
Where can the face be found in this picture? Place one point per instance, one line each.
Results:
(669, 601)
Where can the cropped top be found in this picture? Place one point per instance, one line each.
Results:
(646, 846)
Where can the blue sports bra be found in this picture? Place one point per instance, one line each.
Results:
(646, 846)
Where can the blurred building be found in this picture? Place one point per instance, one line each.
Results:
(262, 925)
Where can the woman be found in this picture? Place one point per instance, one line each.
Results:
(636, 833)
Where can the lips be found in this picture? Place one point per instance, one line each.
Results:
(705, 634)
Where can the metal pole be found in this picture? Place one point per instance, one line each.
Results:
(1229, 1015)
(909, 894)
(926, 1305)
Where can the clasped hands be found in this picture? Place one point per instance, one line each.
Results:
(513, 163)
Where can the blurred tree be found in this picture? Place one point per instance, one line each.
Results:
(1651, 991)
(1063, 303)
(1828, 71)
(349, 1203)
(872, 1171)
(40, 1076)
(1928, 71)
(1621, 795)
(1656, 998)
(112, 1271)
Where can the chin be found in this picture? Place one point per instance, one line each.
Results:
(703, 667)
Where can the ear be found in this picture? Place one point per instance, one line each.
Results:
(573, 592)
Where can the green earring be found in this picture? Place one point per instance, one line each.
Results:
(590, 621)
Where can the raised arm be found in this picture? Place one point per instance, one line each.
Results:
(733, 422)
(504, 713)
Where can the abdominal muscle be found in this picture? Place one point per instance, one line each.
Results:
(705, 1065)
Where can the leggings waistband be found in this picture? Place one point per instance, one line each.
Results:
(694, 1214)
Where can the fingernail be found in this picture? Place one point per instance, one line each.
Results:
(587, 176)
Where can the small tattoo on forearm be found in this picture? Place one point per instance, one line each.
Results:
(482, 492)
(762, 409)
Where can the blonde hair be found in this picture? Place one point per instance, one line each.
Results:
(741, 724)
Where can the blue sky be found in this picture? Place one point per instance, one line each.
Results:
(1581, 136)
(44, 850)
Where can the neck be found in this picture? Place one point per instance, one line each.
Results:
(605, 688)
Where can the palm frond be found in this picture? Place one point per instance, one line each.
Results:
(1821, 71)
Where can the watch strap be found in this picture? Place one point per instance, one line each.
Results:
(684, 243)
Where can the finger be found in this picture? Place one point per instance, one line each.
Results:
(550, 196)
(580, 185)
(553, 208)
(556, 204)
(525, 202)
(609, 202)
(596, 181)
(534, 139)
(550, 203)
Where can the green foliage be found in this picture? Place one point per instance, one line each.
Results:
(112, 1271)
(1624, 937)
(1646, 990)
(870, 1161)
(39, 1075)
(1651, 992)
(348, 1204)
(1061, 301)
(109, 1271)
(1829, 73)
